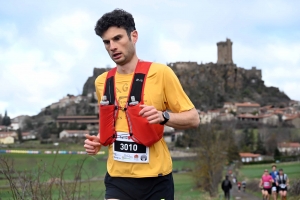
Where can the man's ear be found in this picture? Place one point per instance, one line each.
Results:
(134, 36)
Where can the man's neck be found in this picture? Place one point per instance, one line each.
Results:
(129, 67)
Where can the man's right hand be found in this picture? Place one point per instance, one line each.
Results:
(91, 144)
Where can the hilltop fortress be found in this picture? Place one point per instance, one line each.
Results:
(224, 60)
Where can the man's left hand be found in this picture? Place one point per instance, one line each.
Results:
(153, 115)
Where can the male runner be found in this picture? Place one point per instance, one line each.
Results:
(130, 176)
(266, 184)
(282, 182)
(274, 173)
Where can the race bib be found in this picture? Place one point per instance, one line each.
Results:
(282, 186)
(126, 150)
(266, 184)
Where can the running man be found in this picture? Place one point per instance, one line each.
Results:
(282, 182)
(139, 165)
(266, 184)
(274, 174)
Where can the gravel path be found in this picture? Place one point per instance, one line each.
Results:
(235, 194)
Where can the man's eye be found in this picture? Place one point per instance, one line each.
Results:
(106, 42)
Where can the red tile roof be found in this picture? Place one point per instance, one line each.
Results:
(289, 144)
(249, 155)
(247, 104)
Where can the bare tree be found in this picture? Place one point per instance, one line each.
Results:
(211, 157)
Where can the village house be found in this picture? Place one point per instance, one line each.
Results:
(73, 133)
(248, 117)
(250, 157)
(242, 108)
(225, 117)
(293, 120)
(4, 128)
(229, 107)
(204, 118)
(28, 136)
(289, 148)
(91, 121)
(270, 119)
(7, 137)
(170, 135)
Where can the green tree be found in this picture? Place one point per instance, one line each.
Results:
(260, 147)
(233, 150)
(247, 142)
(45, 133)
(19, 132)
(6, 120)
(277, 154)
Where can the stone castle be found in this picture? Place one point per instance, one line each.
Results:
(224, 60)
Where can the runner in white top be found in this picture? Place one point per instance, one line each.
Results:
(282, 182)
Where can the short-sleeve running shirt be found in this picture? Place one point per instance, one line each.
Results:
(163, 91)
(267, 181)
(274, 174)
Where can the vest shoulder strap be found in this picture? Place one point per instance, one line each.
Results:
(109, 86)
(137, 84)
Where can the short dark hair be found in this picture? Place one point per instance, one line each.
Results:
(281, 170)
(274, 166)
(118, 18)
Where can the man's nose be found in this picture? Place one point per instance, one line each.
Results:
(113, 46)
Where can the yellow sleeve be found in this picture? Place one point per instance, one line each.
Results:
(99, 85)
(176, 98)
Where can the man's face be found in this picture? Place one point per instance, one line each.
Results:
(120, 48)
(280, 172)
(274, 169)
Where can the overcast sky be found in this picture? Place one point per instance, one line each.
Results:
(48, 48)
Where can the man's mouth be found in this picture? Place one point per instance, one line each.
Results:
(117, 55)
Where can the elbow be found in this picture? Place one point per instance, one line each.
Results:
(195, 122)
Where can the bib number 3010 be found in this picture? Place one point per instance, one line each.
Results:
(128, 147)
(126, 150)
(132, 147)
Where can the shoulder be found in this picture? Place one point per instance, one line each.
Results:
(158, 68)
(101, 78)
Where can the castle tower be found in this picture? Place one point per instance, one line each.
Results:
(225, 52)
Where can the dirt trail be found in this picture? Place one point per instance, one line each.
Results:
(235, 194)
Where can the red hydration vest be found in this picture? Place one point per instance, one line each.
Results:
(139, 128)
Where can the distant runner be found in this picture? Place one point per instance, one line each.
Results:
(274, 174)
(239, 186)
(226, 187)
(266, 184)
(282, 182)
(244, 186)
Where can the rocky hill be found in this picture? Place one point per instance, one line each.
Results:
(210, 85)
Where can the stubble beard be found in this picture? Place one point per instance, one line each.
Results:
(125, 57)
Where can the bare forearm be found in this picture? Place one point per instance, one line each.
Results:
(184, 120)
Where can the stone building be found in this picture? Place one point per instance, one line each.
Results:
(225, 52)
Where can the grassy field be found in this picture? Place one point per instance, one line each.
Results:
(292, 169)
(93, 167)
